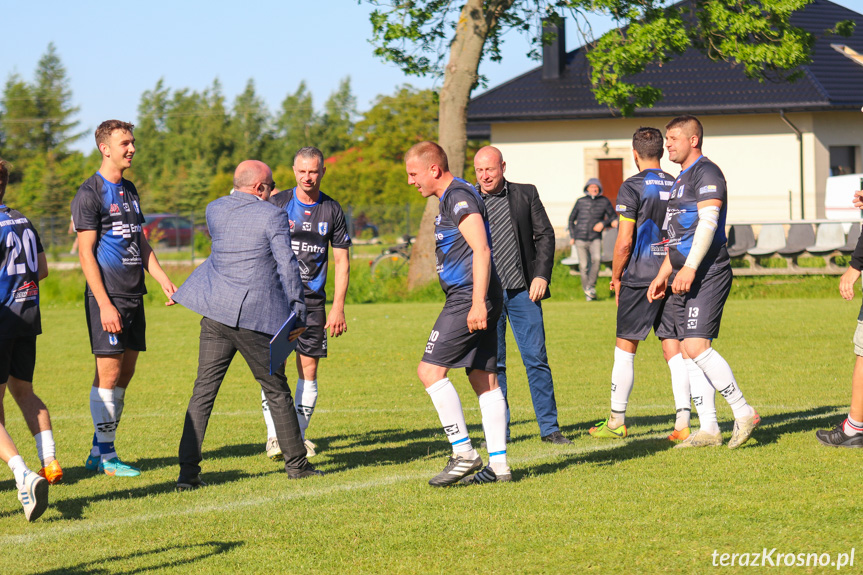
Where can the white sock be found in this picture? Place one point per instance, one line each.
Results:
(446, 401)
(45, 445)
(492, 405)
(119, 402)
(307, 397)
(852, 427)
(268, 417)
(104, 413)
(703, 397)
(681, 391)
(19, 468)
(720, 376)
(622, 381)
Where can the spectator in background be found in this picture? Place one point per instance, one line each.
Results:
(591, 215)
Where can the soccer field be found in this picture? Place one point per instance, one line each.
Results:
(630, 506)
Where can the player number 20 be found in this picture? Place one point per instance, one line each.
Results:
(29, 249)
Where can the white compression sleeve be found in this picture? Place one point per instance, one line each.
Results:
(708, 221)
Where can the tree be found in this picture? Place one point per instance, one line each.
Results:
(337, 122)
(296, 125)
(53, 97)
(19, 119)
(419, 35)
(249, 125)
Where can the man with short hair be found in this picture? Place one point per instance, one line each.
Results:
(465, 333)
(317, 221)
(246, 290)
(22, 265)
(523, 254)
(695, 227)
(638, 253)
(114, 253)
(591, 214)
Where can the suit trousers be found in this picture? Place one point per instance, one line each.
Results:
(219, 344)
(525, 318)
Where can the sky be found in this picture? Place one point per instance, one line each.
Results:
(113, 52)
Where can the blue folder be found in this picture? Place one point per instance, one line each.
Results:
(280, 347)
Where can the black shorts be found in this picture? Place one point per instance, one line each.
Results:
(451, 344)
(18, 358)
(636, 316)
(313, 341)
(134, 327)
(699, 312)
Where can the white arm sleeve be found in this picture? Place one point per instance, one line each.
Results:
(708, 220)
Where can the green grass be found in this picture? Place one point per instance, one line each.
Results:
(632, 506)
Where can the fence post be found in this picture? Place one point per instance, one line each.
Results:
(408, 219)
(192, 246)
(350, 222)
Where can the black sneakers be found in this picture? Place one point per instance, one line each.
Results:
(189, 483)
(555, 437)
(837, 437)
(456, 468)
(487, 475)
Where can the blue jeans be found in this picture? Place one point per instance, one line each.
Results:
(525, 318)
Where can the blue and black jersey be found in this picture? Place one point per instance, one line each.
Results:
(453, 255)
(19, 276)
(643, 199)
(313, 228)
(114, 211)
(703, 180)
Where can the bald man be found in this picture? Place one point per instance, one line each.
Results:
(523, 251)
(245, 290)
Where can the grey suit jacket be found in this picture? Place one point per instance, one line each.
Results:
(251, 279)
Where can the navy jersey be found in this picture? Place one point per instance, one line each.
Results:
(453, 255)
(313, 228)
(19, 276)
(703, 180)
(643, 199)
(114, 212)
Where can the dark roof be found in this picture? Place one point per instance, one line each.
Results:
(692, 83)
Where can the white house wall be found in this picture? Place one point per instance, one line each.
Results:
(758, 153)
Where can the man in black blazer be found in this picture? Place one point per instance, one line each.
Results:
(523, 252)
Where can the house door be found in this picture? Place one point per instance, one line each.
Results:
(611, 176)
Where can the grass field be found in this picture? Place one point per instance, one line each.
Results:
(631, 506)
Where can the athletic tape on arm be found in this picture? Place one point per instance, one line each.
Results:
(708, 219)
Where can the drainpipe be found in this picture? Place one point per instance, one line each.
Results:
(800, 145)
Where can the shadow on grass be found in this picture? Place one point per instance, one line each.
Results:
(173, 556)
(775, 426)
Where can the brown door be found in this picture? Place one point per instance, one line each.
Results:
(611, 176)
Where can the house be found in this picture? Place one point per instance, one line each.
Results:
(776, 142)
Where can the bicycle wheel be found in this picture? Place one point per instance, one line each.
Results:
(392, 265)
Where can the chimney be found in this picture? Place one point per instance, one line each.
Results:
(554, 54)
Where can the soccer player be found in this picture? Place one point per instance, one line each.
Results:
(465, 333)
(114, 254)
(22, 266)
(638, 254)
(849, 433)
(317, 221)
(695, 228)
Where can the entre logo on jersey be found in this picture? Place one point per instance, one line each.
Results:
(298, 246)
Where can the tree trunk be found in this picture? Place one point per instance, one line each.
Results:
(460, 77)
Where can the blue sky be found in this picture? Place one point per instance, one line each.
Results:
(113, 52)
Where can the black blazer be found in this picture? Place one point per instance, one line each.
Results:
(533, 232)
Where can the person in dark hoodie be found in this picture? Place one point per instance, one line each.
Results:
(591, 214)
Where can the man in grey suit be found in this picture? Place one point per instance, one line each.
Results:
(245, 290)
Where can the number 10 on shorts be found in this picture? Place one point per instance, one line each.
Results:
(432, 338)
